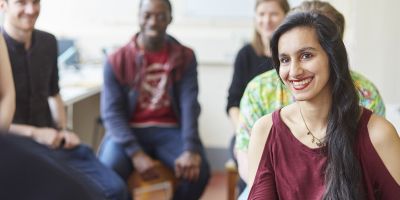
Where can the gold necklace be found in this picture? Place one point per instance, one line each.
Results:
(314, 139)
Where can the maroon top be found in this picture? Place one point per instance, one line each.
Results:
(290, 170)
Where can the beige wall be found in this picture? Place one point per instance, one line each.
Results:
(373, 42)
(372, 38)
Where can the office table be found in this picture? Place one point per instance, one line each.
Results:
(80, 91)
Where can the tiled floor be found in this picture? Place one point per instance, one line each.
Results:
(217, 187)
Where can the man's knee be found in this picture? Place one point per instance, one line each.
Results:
(117, 190)
(113, 156)
(205, 174)
(193, 190)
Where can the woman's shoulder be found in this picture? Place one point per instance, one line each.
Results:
(263, 126)
(258, 139)
(247, 49)
(381, 131)
(386, 143)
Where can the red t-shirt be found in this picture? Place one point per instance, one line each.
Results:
(154, 107)
(290, 170)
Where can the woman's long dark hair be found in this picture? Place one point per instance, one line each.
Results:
(343, 178)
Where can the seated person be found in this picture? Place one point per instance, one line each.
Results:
(33, 57)
(45, 178)
(7, 91)
(266, 92)
(324, 145)
(149, 106)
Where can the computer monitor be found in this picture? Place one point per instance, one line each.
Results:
(67, 53)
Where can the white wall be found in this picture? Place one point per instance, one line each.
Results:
(373, 43)
(100, 23)
(372, 38)
(215, 127)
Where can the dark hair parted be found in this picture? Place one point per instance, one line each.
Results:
(167, 2)
(343, 178)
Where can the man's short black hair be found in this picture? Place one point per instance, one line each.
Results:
(165, 1)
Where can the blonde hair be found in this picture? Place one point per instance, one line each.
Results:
(323, 8)
(257, 42)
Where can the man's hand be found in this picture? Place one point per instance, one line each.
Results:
(187, 166)
(145, 165)
(47, 136)
(71, 139)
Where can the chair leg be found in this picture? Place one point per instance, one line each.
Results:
(98, 125)
(232, 178)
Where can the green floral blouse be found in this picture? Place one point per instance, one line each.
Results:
(266, 93)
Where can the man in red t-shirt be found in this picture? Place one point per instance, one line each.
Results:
(149, 105)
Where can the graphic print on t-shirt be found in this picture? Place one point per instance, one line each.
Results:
(154, 106)
(153, 94)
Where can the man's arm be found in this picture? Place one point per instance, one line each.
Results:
(115, 114)
(115, 111)
(57, 108)
(50, 137)
(187, 165)
(190, 107)
(46, 136)
(58, 111)
(7, 91)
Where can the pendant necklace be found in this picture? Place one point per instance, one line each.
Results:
(314, 139)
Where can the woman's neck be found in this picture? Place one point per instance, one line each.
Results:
(315, 115)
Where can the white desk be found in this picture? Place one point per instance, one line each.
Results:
(80, 84)
(80, 91)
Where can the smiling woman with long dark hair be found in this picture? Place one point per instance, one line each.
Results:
(323, 146)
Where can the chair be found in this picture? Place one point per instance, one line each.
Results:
(160, 188)
(232, 179)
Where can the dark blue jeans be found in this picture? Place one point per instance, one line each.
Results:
(82, 162)
(164, 144)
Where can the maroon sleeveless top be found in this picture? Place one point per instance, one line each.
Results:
(290, 170)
